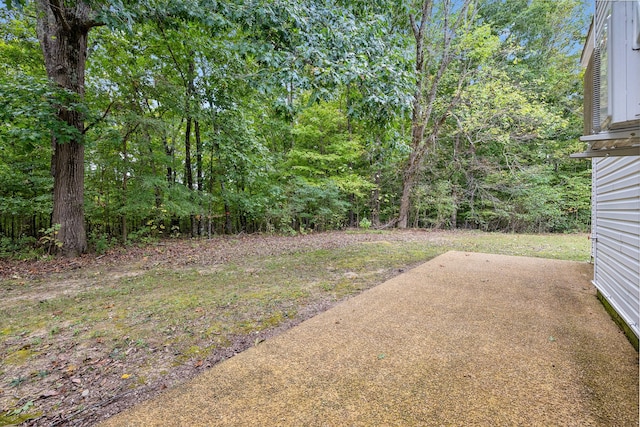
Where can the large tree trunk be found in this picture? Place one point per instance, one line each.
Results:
(62, 31)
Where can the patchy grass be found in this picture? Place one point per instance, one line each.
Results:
(89, 336)
(571, 247)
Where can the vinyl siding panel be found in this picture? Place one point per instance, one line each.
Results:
(616, 234)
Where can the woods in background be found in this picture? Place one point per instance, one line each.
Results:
(197, 118)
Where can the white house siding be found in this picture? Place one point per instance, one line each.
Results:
(616, 234)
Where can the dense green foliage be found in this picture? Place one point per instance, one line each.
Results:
(224, 117)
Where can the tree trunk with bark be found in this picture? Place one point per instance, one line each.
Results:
(170, 152)
(62, 29)
(375, 200)
(187, 139)
(199, 175)
(426, 121)
(125, 178)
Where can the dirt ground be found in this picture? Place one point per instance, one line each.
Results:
(78, 383)
(75, 383)
(185, 253)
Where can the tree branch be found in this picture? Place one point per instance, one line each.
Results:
(57, 8)
(175, 60)
(104, 115)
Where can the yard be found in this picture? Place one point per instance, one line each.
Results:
(97, 334)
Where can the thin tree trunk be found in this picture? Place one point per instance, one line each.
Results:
(187, 139)
(125, 178)
(123, 217)
(170, 152)
(211, 181)
(188, 170)
(188, 173)
(457, 149)
(199, 177)
(375, 200)
(352, 214)
(426, 91)
(156, 188)
(227, 215)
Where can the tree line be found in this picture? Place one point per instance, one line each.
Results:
(124, 121)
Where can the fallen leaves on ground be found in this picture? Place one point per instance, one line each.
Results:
(80, 382)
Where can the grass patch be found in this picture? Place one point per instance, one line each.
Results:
(18, 357)
(9, 418)
(571, 247)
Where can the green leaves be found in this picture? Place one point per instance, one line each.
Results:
(303, 109)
